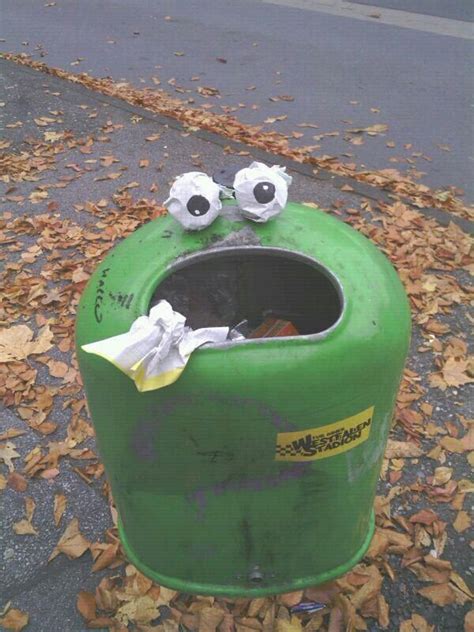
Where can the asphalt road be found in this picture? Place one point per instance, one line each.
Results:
(48, 591)
(341, 67)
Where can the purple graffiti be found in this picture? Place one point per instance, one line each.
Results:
(256, 484)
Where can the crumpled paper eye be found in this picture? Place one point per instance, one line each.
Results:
(194, 200)
(261, 192)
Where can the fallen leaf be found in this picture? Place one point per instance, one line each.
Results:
(102, 622)
(372, 130)
(86, 605)
(290, 599)
(72, 543)
(402, 449)
(78, 276)
(207, 91)
(336, 620)
(210, 618)
(16, 342)
(57, 368)
(462, 522)
(469, 622)
(274, 119)
(108, 161)
(422, 537)
(452, 445)
(396, 538)
(384, 612)
(140, 610)
(8, 453)
(11, 433)
(17, 482)
(442, 475)
(106, 558)
(43, 121)
(424, 516)
(36, 196)
(454, 372)
(169, 625)
(370, 588)
(437, 563)
(153, 137)
(25, 527)
(15, 620)
(60, 502)
(429, 574)
(105, 595)
(166, 596)
(293, 625)
(52, 137)
(227, 624)
(468, 440)
(417, 623)
(109, 176)
(459, 582)
(439, 594)
(378, 545)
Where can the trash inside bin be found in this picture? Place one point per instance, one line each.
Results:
(255, 472)
(225, 287)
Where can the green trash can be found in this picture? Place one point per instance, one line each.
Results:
(255, 472)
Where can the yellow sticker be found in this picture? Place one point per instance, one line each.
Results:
(325, 441)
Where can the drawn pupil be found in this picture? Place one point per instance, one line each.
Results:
(198, 205)
(264, 192)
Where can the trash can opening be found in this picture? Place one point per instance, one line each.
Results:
(244, 287)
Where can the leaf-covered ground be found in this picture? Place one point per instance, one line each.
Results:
(78, 174)
(288, 67)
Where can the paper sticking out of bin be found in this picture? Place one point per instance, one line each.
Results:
(156, 349)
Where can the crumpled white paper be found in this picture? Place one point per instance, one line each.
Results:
(156, 349)
(194, 200)
(261, 191)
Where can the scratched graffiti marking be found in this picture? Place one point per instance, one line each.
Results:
(217, 456)
(122, 300)
(99, 295)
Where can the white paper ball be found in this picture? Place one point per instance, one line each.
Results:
(194, 200)
(261, 192)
